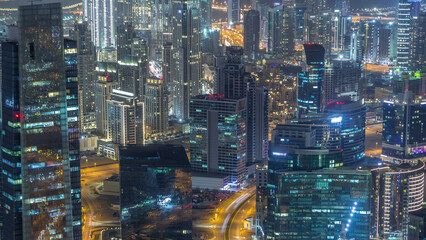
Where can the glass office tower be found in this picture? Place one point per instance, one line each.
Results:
(11, 197)
(71, 75)
(352, 116)
(404, 132)
(310, 89)
(46, 185)
(218, 141)
(321, 204)
(155, 192)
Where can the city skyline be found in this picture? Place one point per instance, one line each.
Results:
(212, 119)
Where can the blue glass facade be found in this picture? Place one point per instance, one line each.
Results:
(352, 133)
(324, 204)
(404, 131)
(11, 197)
(310, 81)
(71, 75)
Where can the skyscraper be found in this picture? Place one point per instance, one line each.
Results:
(218, 136)
(352, 133)
(11, 201)
(288, 29)
(310, 86)
(156, 106)
(155, 190)
(419, 51)
(206, 14)
(123, 111)
(408, 10)
(321, 204)
(186, 47)
(404, 132)
(397, 190)
(251, 34)
(106, 76)
(71, 76)
(125, 36)
(230, 74)
(320, 29)
(102, 17)
(86, 67)
(275, 19)
(46, 186)
(129, 74)
(194, 53)
(257, 123)
(308, 195)
(342, 78)
(234, 12)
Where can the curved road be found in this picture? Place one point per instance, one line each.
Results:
(244, 210)
(91, 177)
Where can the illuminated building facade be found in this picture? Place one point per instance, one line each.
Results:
(397, 190)
(234, 12)
(194, 52)
(129, 75)
(86, 67)
(155, 190)
(71, 76)
(123, 114)
(319, 25)
(419, 51)
(296, 147)
(156, 105)
(309, 195)
(408, 10)
(186, 46)
(310, 82)
(321, 204)
(404, 136)
(327, 129)
(106, 76)
(11, 199)
(352, 115)
(46, 174)
(218, 136)
(101, 14)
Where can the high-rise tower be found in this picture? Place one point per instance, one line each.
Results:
(46, 185)
(310, 82)
(11, 202)
(408, 10)
(234, 12)
(71, 78)
(251, 34)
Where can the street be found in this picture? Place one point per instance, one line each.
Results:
(373, 140)
(226, 218)
(97, 213)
